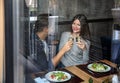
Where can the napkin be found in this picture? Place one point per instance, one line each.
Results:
(39, 80)
(115, 79)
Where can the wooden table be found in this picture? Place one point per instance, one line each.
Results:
(83, 75)
(79, 73)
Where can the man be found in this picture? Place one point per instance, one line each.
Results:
(42, 61)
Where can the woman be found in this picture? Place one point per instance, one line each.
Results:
(80, 36)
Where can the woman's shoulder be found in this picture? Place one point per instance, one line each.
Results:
(66, 33)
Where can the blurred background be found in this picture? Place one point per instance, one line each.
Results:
(20, 16)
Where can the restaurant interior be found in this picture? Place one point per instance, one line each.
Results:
(19, 22)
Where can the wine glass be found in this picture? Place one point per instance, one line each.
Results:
(118, 71)
(70, 39)
(78, 39)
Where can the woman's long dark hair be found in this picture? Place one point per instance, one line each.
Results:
(84, 32)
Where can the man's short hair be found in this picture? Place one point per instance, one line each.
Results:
(41, 23)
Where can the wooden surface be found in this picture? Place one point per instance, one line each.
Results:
(1, 39)
(80, 73)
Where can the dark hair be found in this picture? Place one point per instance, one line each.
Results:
(85, 32)
(41, 23)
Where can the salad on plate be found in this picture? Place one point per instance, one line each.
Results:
(58, 76)
(99, 67)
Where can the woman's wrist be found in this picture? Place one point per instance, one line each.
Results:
(62, 51)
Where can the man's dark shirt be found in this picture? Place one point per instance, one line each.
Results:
(40, 56)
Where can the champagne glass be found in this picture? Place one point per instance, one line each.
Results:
(118, 71)
(78, 39)
(70, 39)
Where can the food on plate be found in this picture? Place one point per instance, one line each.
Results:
(99, 66)
(59, 76)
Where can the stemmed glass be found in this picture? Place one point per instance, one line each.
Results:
(78, 39)
(70, 39)
(118, 72)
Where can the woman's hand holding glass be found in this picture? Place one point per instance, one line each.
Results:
(67, 46)
(81, 44)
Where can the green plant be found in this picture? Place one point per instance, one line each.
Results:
(90, 80)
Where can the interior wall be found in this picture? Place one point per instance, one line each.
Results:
(93, 9)
(1, 39)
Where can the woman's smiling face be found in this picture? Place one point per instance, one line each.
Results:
(76, 26)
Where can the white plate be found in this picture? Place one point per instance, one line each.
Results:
(48, 76)
(92, 69)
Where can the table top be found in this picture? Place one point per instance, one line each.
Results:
(85, 76)
(80, 76)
